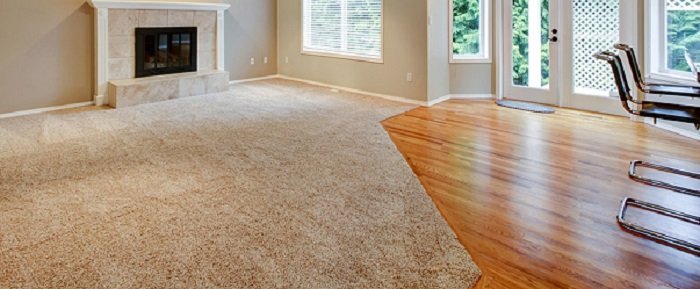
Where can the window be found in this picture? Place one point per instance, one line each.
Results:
(469, 27)
(673, 28)
(343, 28)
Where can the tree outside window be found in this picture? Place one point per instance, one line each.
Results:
(470, 29)
(682, 32)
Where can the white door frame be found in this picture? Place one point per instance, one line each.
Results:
(629, 26)
(500, 52)
(598, 103)
(549, 95)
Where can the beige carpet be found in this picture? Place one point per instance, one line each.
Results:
(274, 184)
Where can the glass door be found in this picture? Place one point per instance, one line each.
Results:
(549, 47)
(594, 25)
(531, 50)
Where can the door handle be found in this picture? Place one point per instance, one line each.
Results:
(554, 38)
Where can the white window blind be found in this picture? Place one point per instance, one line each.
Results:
(350, 28)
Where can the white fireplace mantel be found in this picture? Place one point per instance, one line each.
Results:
(102, 8)
(165, 5)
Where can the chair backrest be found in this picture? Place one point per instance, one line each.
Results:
(634, 65)
(620, 76)
(691, 63)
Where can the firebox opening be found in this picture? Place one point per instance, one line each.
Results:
(165, 50)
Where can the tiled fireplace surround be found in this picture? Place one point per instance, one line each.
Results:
(116, 23)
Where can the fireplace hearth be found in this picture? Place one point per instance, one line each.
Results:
(165, 50)
(195, 59)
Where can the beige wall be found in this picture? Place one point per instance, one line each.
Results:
(405, 50)
(438, 49)
(46, 53)
(251, 32)
(475, 78)
(472, 78)
(46, 56)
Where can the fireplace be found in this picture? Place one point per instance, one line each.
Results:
(165, 50)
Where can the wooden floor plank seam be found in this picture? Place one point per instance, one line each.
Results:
(533, 197)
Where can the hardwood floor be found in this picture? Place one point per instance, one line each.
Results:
(534, 197)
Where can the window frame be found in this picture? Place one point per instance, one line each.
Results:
(485, 30)
(341, 55)
(656, 47)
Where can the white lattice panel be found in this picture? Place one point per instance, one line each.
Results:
(683, 4)
(596, 27)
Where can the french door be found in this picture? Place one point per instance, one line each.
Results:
(549, 47)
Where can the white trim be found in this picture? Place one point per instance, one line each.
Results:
(101, 54)
(100, 100)
(534, 40)
(45, 109)
(220, 49)
(438, 100)
(358, 91)
(673, 129)
(673, 78)
(650, 38)
(169, 5)
(238, 81)
(485, 33)
(500, 51)
(473, 96)
(341, 55)
(470, 60)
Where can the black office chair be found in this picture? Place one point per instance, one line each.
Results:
(663, 111)
(654, 88)
(656, 110)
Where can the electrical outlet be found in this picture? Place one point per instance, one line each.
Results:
(409, 77)
(265, 59)
(252, 60)
(286, 59)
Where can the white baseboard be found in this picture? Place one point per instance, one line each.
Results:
(359, 91)
(352, 90)
(686, 133)
(473, 96)
(46, 109)
(100, 100)
(460, 96)
(439, 100)
(253, 79)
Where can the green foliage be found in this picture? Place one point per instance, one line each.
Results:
(520, 42)
(466, 38)
(466, 33)
(683, 32)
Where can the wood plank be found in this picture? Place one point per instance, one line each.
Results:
(533, 197)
